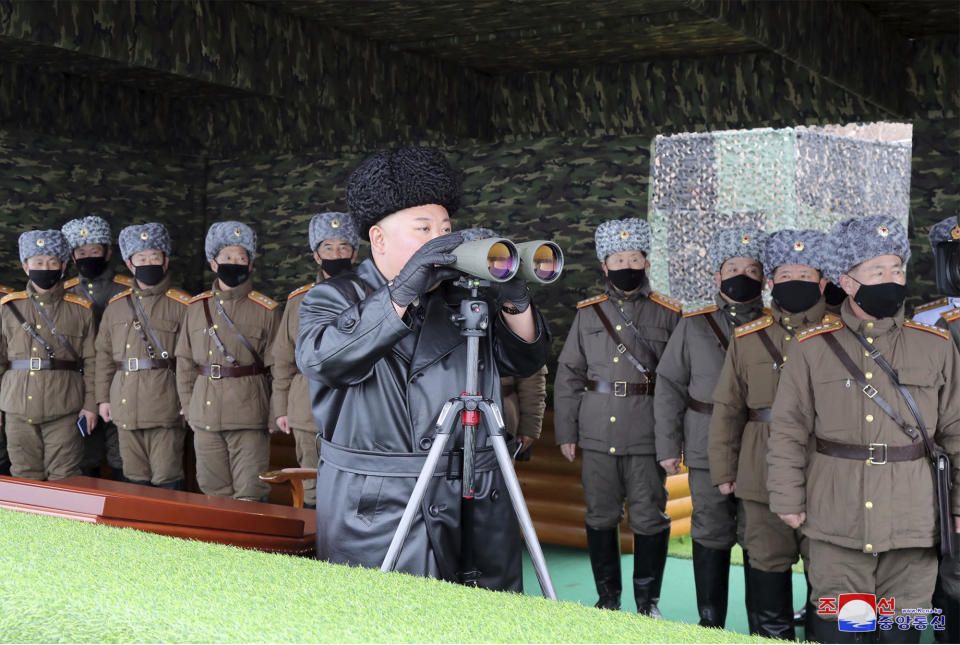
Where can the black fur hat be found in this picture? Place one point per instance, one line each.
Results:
(392, 180)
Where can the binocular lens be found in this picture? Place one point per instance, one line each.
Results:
(501, 261)
(546, 262)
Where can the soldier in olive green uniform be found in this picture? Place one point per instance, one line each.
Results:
(686, 378)
(90, 243)
(4, 459)
(524, 399)
(603, 401)
(47, 364)
(740, 422)
(223, 353)
(864, 494)
(136, 379)
(335, 241)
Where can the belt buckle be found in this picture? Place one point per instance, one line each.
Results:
(870, 391)
(872, 459)
(133, 364)
(620, 388)
(621, 348)
(215, 371)
(35, 364)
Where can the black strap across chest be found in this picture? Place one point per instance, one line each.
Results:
(621, 347)
(721, 337)
(219, 343)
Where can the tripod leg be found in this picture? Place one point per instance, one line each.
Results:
(523, 515)
(448, 416)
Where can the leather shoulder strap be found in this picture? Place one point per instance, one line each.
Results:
(621, 347)
(213, 332)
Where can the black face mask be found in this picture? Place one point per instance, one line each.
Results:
(233, 274)
(149, 274)
(881, 300)
(335, 267)
(45, 278)
(741, 288)
(795, 296)
(90, 268)
(625, 279)
(834, 295)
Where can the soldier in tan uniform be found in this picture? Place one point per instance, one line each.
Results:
(223, 353)
(686, 378)
(744, 395)
(90, 241)
(335, 241)
(945, 312)
(864, 496)
(524, 399)
(47, 366)
(4, 459)
(136, 378)
(603, 401)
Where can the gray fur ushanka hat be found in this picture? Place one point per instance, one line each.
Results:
(52, 243)
(393, 180)
(333, 226)
(792, 246)
(144, 237)
(87, 230)
(859, 239)
(616, 235)
(946, 230)
(739, 242)
(230, 233)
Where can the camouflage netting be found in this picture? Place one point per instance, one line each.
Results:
(773, 179)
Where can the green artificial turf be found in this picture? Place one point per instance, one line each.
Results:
(68, 581)
(682, 547)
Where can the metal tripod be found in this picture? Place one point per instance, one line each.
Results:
(473, 320)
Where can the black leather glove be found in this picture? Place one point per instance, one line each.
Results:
(420, 272)
(515, 292)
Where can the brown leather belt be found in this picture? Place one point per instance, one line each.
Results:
(36, 364)
(763, 415)
(875, 453)
(620, 388)
(700, 406)
(229, 371)
(140, 364)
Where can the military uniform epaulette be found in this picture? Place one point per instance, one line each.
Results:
(950, 316)
(305, 288)
(756, 325)
(666, 301)
(16, 295)
(829, 318)
(201, 296)
(825, 326)
(262, 300)
(4, 289)
(77, 300)
(931, 305)
(122, 294)
(699, 311)
(125, 280)
(913, 324)
(592, 301)
(71, 283)
(178, 296)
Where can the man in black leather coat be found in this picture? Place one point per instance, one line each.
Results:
(382, 356)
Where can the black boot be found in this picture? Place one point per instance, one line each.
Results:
(950, 609)
(821, 630)
(649, 559)
(604, 547)
(895, 635)
(748, 595)
(772, 600)
(711, 574)
(177, 484)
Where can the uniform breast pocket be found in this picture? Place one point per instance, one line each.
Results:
(255, 336)
(166, 332)
(656, 336)
(762, 381)
(835, 398)
(925, 386)
(73, 331)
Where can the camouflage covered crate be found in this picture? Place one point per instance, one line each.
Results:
(701, 183)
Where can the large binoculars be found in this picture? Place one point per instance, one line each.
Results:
(498, 259)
